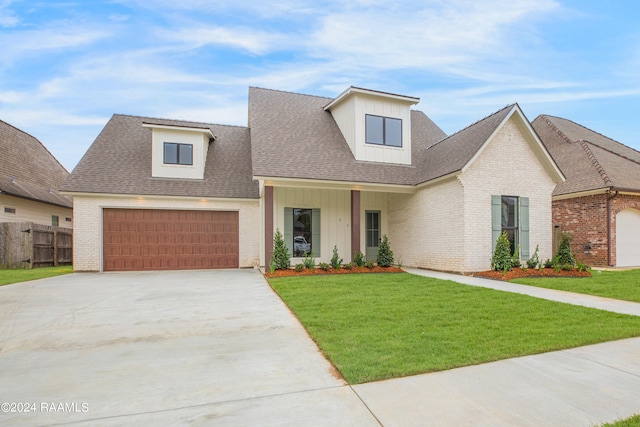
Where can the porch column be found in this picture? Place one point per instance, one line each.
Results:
(268, 225)
(355, 222)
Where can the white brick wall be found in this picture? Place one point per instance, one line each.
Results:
(509, 167)
(87, 245)
(427, 229)
(448, 226)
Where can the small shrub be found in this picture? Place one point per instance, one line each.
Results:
(370, 264)
(524, 268)
(299, 267)
(348, 266)
(385, 254)
(501, 260)
(565, 254)
(399, 263)
(515, 259)
(358, 259)
(272, 266)
(309, 261)
(336, 261)
(534, 261)
(324, 266)
(583, 267)
(566, 267)
(280, 257)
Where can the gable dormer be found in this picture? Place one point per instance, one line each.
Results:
(179, 152)
(376, 125)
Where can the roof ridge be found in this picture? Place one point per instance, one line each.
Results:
(555, 128)
(39, 142)
(289, 92)
(595, 163)
(473, 124)
(178, 120)
(611, 151)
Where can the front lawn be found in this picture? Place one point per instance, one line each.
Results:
(624, 285)
(15, 276)
(379, 326)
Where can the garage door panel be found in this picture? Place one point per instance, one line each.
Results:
(627, 238)
(145, 239)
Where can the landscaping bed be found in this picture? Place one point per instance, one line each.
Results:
(318, 271)
(518, 273)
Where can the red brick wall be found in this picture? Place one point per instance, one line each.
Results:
(586, 219)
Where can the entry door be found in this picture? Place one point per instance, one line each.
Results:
(372, 223)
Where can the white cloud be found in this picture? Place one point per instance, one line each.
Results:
(435, 35)
(255, 42)
(8, 18)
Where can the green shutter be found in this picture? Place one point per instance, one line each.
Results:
(496, 220)
(315, 231)
(288, 229)
(524, 227)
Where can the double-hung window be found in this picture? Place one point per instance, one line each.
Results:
(383, 131)
(178, 154)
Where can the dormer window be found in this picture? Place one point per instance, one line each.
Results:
(178, 154)
(383, 131)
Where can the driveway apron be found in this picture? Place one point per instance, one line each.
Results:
(170, 348)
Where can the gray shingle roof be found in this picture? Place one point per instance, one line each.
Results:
(589, 160)
(292, 136)
(454, 152)
(28, 169)
(119, 162)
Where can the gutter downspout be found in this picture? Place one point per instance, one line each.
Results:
(609, 224)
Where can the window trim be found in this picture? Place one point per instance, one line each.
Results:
(315, 230)
(55, 221)
(384, 131)
(178, 145)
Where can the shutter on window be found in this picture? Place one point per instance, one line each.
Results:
(496, 220)
(524, 227)
(288, 229)
(315, 232)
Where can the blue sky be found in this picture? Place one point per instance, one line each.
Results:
(67, 66)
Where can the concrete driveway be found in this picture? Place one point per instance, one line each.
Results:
(167, 348)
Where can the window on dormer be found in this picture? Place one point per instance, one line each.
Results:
(383, 130)
(178, 154)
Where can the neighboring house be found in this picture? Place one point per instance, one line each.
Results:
(165, 194)
(30, 178)
(599, 203)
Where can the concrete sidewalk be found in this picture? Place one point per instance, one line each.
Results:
(601, 303)
(585, 386)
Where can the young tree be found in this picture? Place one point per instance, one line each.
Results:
(281, 258)
(385, 255)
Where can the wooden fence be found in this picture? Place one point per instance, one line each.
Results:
(29, 245)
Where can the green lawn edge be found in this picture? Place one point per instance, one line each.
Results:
(622, 285)
(8, 277)
(379, 326)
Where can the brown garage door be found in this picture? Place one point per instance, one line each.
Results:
(148, 239)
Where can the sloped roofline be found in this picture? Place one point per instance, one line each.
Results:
(39, 142)
(538, 147)
(353, 90)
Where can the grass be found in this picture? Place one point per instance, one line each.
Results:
(629, 422)
(378, 326)
(14, 276)
(623, 285)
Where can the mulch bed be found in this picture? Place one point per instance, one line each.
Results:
(517, 273)
(316, 271)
